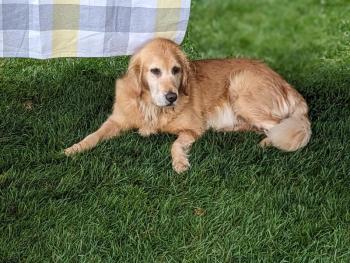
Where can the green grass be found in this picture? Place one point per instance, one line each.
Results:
(122, 201)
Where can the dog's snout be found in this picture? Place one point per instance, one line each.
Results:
(171, 97)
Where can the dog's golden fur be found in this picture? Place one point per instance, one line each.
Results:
(222, 94)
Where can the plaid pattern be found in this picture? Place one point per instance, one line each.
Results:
(87, 28)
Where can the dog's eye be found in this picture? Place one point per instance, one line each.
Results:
(156, 71)
(175, 70)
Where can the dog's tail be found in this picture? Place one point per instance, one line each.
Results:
(293, 132)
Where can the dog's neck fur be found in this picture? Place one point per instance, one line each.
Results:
(149, 112)
(153, 114)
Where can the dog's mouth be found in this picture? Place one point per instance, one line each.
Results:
(170, 104)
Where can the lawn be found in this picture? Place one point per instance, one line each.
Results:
(122, 202)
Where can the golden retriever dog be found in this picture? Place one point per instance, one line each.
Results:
(162, 91)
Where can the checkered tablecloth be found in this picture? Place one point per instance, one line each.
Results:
(87, 28)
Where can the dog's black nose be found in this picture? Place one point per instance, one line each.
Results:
(171, 97)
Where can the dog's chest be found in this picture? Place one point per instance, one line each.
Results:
(223, 118)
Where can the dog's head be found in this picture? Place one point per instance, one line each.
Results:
(161, 71)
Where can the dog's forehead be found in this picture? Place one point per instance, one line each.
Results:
(166, 60)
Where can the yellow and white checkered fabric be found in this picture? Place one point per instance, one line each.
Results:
(87, 28)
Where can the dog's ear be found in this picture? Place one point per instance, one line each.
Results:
(186, 72)
(135, 73)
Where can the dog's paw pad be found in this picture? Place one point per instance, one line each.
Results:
(181, 166)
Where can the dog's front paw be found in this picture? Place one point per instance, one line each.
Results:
(265, 143)
(181, 165)
(72, 150)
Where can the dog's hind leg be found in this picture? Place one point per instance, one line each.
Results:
(109, 129)
(271, 105)
(180, 149)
